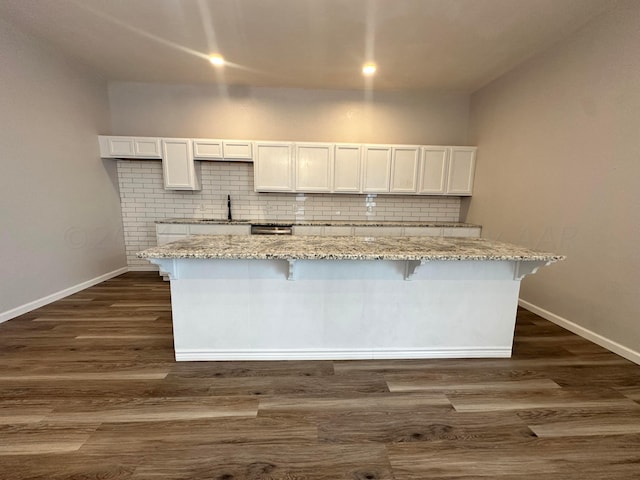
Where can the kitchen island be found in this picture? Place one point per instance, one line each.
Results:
(307, 297)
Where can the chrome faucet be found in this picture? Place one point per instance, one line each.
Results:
(229, 208)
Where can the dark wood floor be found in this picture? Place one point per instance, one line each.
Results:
(89, 390)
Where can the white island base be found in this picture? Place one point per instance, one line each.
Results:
(246, 309)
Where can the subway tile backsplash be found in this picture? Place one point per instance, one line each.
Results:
(144, 200)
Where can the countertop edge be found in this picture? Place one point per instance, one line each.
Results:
(242, 247)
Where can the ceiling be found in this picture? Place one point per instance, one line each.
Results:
(452, 45)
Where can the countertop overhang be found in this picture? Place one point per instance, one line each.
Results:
(267, 247)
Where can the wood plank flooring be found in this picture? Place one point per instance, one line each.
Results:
(89, 389)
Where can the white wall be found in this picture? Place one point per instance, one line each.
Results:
(288, 114)
(559, 169)
(60, 222)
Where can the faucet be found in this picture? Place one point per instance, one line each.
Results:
(229, 208)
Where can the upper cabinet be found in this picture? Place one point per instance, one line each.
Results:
(447, 170)
(310, 167)
(462, 165)
(178, 168)
(241, 150)
(313, 167)
(376, 168)
(129, 147)
(348, 168)
(405, 161)
(227, 150)
(347, 176)
(433, 174)
(204, 149)
(151, 147)
(273, 170)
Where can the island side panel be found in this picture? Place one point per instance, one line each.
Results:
(340, 309)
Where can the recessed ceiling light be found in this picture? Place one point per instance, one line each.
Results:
(216, 60)
(369, 69)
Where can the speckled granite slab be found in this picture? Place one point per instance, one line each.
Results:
(326, 223)
(343, 248)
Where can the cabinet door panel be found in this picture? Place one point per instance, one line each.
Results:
(178, 165)
(377, 168)
(461, 170)
(129, 147)
(203, 148)
(237, 150)
(313, 167)
(346, 168)
(147, 147)
(273, 169)
(404, 169)
(433, 175)
(121, 146)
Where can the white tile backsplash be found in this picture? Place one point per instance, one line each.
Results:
(144, 200)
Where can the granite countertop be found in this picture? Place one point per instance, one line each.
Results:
(343, 248)
(337, 223)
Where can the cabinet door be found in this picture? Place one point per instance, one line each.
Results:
(237, 150)
(207, 149)
(120, 147)
(147, 147)
(273, 167)
(462, 166)
(433, 174)
(178, 166)
(129, 147)
(346, 168)
(376, 168)
(404, 169)
(313, 163)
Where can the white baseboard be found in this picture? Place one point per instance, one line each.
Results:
(342, 354)
(41, 302)
(596, 338)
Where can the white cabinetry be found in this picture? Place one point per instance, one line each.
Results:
(314, 167)
(310, 167)
(433, 174)
(178, 166)
(404, 169)
(376, 161)
(346, 168)
(462, 164)
(237, 150)
(273, 169)
(447, 170)
(204, 149)
(129, 147)
(228, 150)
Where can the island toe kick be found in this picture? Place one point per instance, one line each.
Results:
(309, 309)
